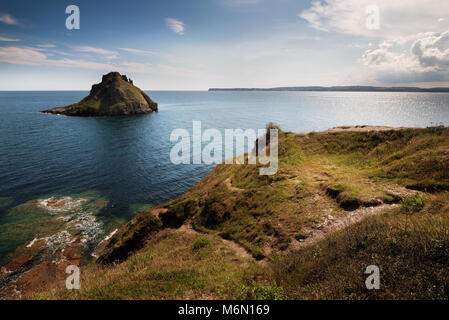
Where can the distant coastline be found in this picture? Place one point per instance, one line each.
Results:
(339, 89)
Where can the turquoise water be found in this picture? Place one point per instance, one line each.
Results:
(125, 161)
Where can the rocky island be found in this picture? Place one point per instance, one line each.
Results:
(115, 95)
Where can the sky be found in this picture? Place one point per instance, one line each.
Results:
(199, 44)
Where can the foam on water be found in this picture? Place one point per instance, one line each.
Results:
(32, 242)
(56, 222)
(78, 220)
(101, 243)
(109, 236)
(59, 205)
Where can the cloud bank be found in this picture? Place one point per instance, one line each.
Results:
(421, 58)
(412, 39)
(31, 56)
(398, 18)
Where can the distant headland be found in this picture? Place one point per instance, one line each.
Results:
(339, 89)
(115, 95)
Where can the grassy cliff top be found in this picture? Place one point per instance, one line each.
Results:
(341, 200)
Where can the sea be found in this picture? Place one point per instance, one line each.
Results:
(102, 171)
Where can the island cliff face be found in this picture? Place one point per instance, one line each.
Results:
(115, 95)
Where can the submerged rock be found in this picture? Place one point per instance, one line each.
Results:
(115, 95)
(64, 230)
(15, 264)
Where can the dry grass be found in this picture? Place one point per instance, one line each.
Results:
(323, 179)
(412, 252)
(171, 266)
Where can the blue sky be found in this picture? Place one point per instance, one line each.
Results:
(197, 44)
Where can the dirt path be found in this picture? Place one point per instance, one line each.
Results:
(332, 224)
(228, 183)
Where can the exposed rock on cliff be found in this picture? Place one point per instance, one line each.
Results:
(115, 95)
(130, 238)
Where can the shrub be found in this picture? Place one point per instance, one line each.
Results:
(412, 204)
(259, 289)
(217, 209)
(178, 212)
(261, 292)
(200, 243)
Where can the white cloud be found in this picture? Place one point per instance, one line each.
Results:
(24, 56)
(398, 18)
(107, 53)
(8, 19)
(8, 39)
(422, 57)
(37, 57)
(47, 45)
(432, 51)
(304, 38)
(137, 51)
(411, 45)
(175, 25)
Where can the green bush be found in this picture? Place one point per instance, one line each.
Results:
(260, 291)
(200, 243)
(412, 204)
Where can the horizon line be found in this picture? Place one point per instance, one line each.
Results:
(311, 88)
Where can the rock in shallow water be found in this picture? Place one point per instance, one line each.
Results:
(64, 228)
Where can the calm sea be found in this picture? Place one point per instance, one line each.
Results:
(120, 165)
